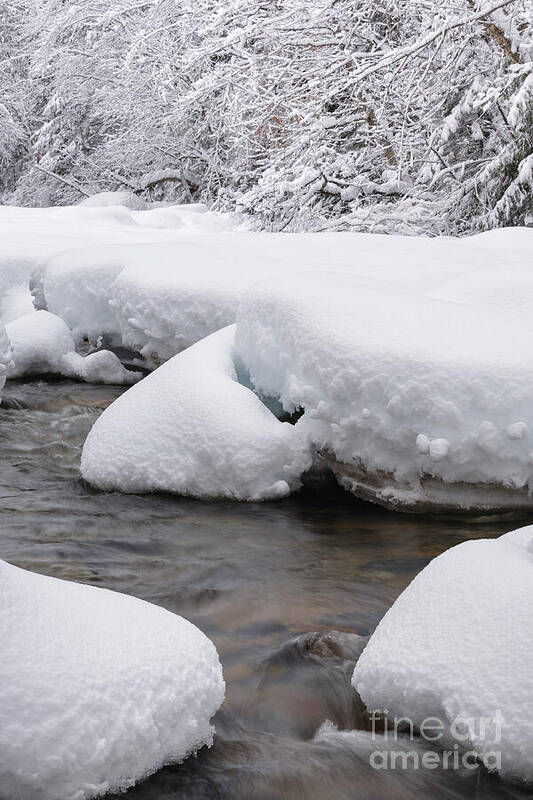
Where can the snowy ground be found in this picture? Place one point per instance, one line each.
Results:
(408, 357)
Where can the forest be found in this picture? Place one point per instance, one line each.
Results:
(388, 116)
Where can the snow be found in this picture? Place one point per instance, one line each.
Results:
(408, 355)
(458, 643)
(191, 428)
(15, 303)
(42, 343)
(28, 236)
(5, 356)
(97, 689)
(106, 199)
(161, 298)
(407, 398)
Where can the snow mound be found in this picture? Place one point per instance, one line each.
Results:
(42, 343)
(458, 645)
(97, 689)
(191, 428)
(76, 285)
(412, 401)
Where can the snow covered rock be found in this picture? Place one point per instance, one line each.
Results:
(457, 645)
(76, 284)
(412, 401)
(159, 298)
(42, 343)
(97, 689)
(191, 428)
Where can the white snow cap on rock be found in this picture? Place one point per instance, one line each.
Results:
(97, 689)
(42, 343)
(191, 428)
(458, 645)
(412, 400)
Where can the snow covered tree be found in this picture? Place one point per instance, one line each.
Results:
(381, 115)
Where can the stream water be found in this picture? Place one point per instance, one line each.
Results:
(284, 590)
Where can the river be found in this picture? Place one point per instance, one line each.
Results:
(283, 589)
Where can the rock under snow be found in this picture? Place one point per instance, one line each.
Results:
(457, 645)
(191, 428)
(42, 343)
(97, 689)
(409, 399)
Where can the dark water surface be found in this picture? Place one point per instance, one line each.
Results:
(267, 582)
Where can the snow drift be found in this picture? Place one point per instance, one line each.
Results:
(159, 298)
(458, 645)
(29, 236)
(411, 401)
(191, 428)
(97, 689)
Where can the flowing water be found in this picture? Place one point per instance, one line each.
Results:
(286, 591)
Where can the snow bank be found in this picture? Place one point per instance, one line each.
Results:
(458, 643)
(97, 689)
(41, 343)
(191, 428)
(161, 298)
(28, 236)
(412, 401)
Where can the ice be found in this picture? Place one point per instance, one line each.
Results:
(97, 689)
(457, 645)
(191, 428)
(41, 343)
(407, 398)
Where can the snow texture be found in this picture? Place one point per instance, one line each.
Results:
(458, 642)
(29, 236)
(41, 343)
(160, 298)
(97, 689)
(403, 394)
(191, 428)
